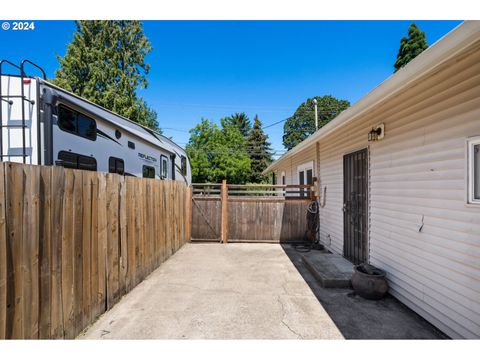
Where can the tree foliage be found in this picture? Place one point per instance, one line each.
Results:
(259, 151)
(241, 121)
(302, 123)
(105, 63)
(410, 47)
(218, 153)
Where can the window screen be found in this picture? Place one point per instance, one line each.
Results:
(148, 172)
(116, 165)
(76, 161)
(76, 123)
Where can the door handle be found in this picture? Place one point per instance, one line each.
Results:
(344, 208)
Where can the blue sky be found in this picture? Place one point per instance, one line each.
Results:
(215, 68)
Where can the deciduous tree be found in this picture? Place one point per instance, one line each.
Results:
(218, 153)
(302, 123)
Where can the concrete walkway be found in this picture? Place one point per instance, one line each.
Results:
(216, 291)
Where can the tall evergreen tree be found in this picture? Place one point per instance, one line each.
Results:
(105, 63)
(302, 123)
(410, 47)
(241, 121)
(259, 150)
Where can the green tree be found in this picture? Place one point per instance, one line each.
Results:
(218, 153)
(241, 121)
(410, 47)
(105, 63)
(302, 123)
(259, 151)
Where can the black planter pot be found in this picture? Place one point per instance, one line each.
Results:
(369, 282)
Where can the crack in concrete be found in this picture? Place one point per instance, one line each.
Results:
(283, 320)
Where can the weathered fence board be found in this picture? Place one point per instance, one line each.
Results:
(45, 252)
(73, 242)
(56, 307)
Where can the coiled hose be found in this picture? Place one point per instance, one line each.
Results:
(310, 239)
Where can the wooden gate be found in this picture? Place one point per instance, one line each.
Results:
(250, 213)
(355, 180)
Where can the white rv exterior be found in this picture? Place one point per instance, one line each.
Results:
(64, 129)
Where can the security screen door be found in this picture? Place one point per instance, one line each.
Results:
(355, 185)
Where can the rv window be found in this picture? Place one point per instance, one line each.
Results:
(474, 171)
(87, 127)
(87, 163)
(116, 165)
(131, 145)
(67, 119)
(183, 160)
(76, 161)
(76, 123)
(164, 164)
(148, 172)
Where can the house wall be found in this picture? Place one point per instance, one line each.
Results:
(418, 177)
(291, 164)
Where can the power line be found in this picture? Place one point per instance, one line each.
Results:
(320, 112)
(275, 123)
(233, 107)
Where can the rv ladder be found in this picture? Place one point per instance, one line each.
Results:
(7, 99)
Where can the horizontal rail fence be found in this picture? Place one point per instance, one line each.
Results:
(73, 242)
(250, 213)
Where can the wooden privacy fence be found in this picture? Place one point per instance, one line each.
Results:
(250, 213)
(73, 242)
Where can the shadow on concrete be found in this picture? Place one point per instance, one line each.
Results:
(358, 318)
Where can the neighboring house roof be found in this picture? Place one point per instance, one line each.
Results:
(444, 49)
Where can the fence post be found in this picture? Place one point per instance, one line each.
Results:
(188, 231)
(313, 189)
(224, 222)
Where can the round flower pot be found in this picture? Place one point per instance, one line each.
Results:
(369, 282)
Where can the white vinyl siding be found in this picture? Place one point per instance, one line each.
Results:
(422, 231)
(290, 165)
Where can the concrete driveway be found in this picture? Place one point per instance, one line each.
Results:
(217, 291)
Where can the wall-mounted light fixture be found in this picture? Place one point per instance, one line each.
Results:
(377, 133)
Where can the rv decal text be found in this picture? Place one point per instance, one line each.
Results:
(147, 157)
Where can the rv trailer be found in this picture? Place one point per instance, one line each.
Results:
(44, 124)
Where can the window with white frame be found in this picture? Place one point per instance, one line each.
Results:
(474, 170)
(305, 176)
